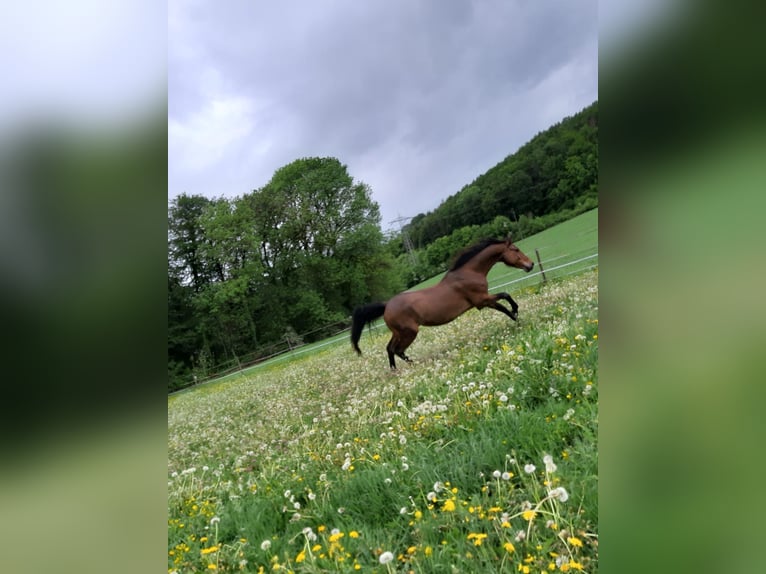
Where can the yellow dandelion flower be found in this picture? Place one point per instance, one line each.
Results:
(509, 547)
(418, 515)
(528, 514)
(449, 506)
(209, 550)
(575, 565)
(212, 567)
(316, 548)
(505, 524)
(336, 537)
(301, 557)
(428, 551)
(575, 541)
(353, 534)
(321, 528)
(411, 550)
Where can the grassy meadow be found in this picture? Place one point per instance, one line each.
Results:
(481, 456)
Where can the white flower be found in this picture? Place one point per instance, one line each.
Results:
(496, 474)
(405, 466)
(387, 480)
(312, 496)
(205, 468)
(341, 510)
(386, 557)
(503, 398)
(529, 468)
(550, 466)
(506, 476)
(403, 510)
(287, 493)
(242, 563)
(297, 505)
(214, 520)
(323, 477)
(560, 493)
(438, 486)
(334, 531)
(346, 464)
(266, 544)
(431, 496)
(520, 535)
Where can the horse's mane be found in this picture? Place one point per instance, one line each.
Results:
(469, 253)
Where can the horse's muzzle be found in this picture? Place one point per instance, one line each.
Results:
(530, 266)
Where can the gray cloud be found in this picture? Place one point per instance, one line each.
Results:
(417, 98)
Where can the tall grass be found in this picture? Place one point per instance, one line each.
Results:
(481, 456)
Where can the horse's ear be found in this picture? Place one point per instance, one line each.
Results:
(508, 239)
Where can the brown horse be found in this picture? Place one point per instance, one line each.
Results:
(462, 288)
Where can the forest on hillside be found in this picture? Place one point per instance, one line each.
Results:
(286, 263)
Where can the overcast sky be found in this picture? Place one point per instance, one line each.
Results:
(416, 97)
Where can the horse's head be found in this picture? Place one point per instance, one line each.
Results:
(513, 257)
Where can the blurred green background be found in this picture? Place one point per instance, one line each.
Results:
(682, 181)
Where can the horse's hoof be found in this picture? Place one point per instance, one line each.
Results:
(514, 315)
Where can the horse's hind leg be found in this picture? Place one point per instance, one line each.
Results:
(406, 337)
(391, 348)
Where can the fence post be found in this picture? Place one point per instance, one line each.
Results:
(540, 263)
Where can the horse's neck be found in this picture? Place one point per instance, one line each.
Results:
(484, 261)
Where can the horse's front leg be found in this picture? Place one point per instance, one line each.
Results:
(514, 306)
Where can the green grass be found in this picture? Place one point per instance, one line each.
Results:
(330, 462)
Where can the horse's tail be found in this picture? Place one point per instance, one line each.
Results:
(362, 316)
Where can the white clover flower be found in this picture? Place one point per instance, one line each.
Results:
(386, 557)
(550, 466)
(506, 476)
(496, 474)
(560, 493)
(265, 545)
(529, 468)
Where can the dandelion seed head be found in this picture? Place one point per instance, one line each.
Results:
(496, 474)
(265, 545)
(386, 557)
(506, 476)
(560, 493)
(529, 468)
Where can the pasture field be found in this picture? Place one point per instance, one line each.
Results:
(481, 456)
(575, 240)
